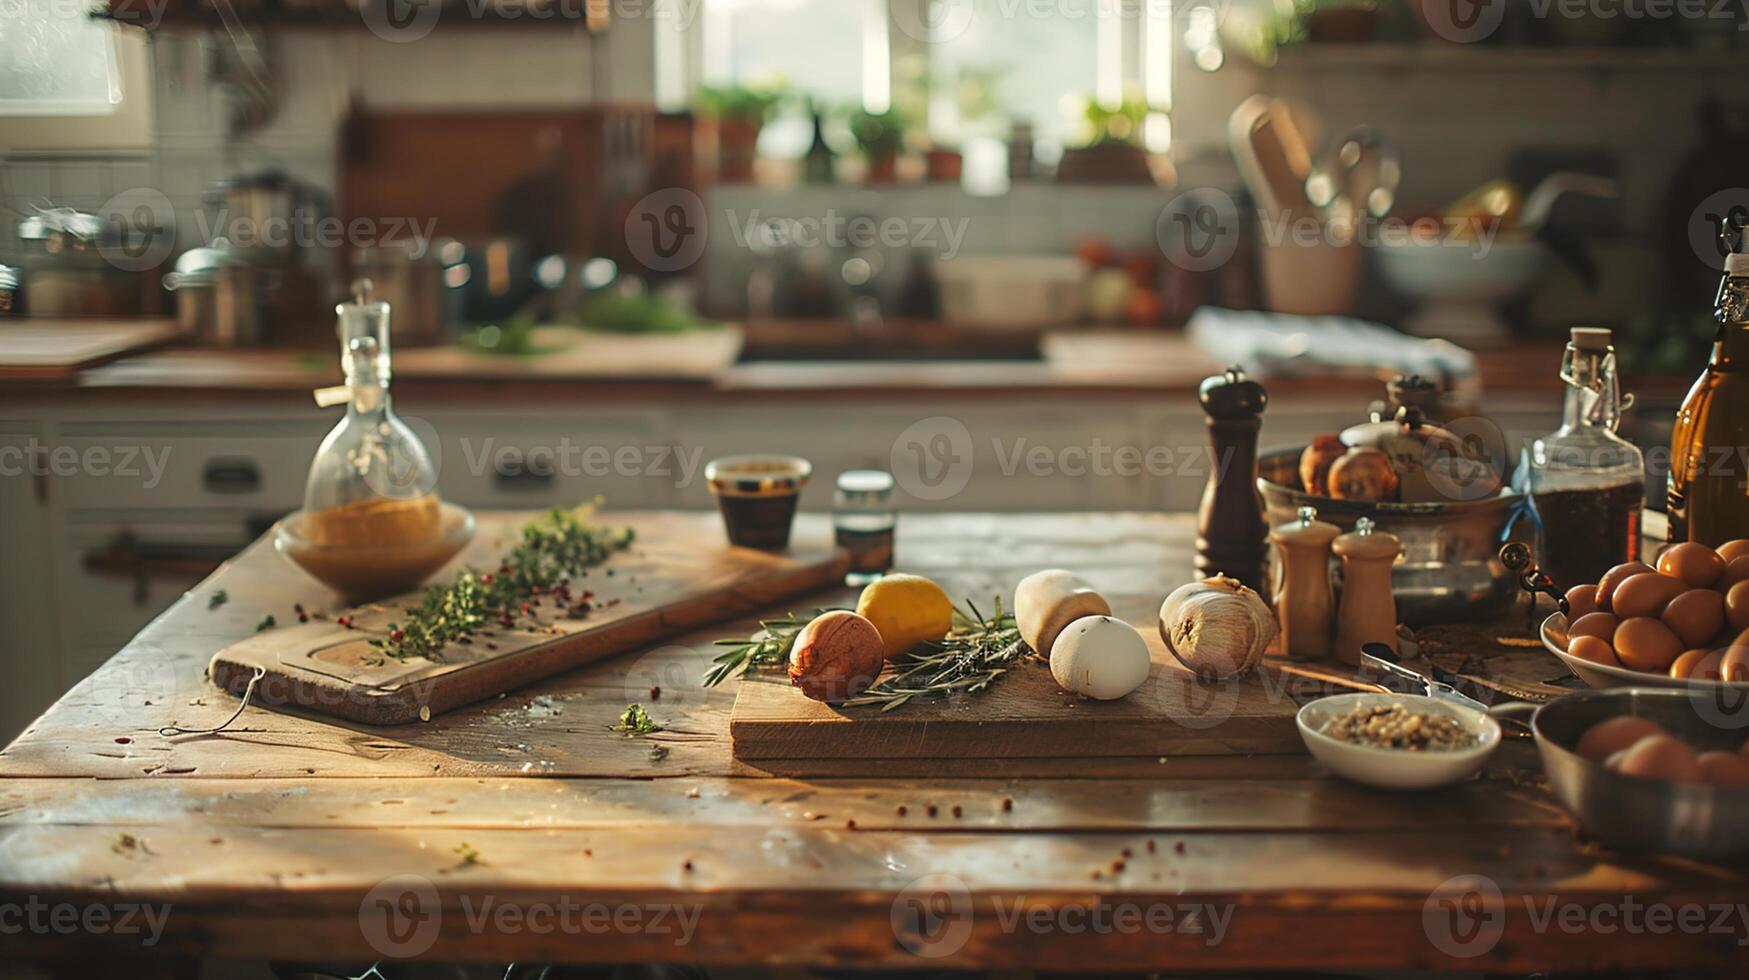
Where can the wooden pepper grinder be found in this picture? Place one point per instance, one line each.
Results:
(1231, 538)
(1305, 605)
(1369, 609)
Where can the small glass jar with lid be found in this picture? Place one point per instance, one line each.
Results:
(864, 522)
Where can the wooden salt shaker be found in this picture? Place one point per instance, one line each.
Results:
(1231, 538)
(1305, 604)
(1369, 610)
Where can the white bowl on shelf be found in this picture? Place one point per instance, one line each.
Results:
(1458, 287)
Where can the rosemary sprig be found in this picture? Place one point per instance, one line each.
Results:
(552, 549)
(974, 653)
(770, 644)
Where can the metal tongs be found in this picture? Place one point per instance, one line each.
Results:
(1378, 658)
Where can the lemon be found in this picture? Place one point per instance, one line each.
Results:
(906, 610)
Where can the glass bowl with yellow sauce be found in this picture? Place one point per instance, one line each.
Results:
(378, 547)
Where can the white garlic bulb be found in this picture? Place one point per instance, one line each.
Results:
(1100, 657)
(1216, 627)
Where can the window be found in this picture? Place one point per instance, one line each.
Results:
(68, 81)
(967, 72)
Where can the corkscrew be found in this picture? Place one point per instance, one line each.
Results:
(1521, 561)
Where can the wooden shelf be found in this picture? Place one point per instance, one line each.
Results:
(199, 15)
(1484, 58)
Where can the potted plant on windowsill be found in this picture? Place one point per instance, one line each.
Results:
(736, 113)
(879, 135)
(1113, 153)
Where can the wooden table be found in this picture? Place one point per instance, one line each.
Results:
(470, 837)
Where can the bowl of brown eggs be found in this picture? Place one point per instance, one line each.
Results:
(1683, 623)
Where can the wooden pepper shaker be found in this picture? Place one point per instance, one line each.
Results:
(1369, 610)
(1231, 538)
(1305, 604)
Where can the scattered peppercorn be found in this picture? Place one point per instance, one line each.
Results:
(655, 693)
(957, 811)
(932, 809)
(1178, 848)
(902, 809)
(1007, 803)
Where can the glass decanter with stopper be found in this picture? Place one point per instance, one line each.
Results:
(1708, 495)
(1586, 483)
(372, 523)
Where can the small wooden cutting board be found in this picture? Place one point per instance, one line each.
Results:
(1023, 714)
(679, 574)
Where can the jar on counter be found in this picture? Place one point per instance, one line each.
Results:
(864, 522)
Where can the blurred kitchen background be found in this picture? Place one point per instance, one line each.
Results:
(809, 226)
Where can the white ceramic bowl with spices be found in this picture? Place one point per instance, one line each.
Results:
(1393, 768)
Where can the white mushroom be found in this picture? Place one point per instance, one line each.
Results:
(1047, 601)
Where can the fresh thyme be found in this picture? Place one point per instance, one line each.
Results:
(267, 623)
(975, 652)
(552, 549)
(217, 599)
(636, 721)
(770, 644)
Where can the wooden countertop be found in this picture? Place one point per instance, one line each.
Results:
(1171, 366)
(291, 837)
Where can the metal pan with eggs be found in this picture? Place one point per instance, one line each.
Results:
(1554, 634)
(1708, 822)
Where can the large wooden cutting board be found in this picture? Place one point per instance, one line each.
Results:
(1023, 715)
(679, 574)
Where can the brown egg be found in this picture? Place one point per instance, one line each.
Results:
(1736, 570)
(1732, 550)
(1695, 616)
(1646, 595)
(1644, 643)
(1581, 599)
(1693, 563)
(1723, 769)
(1734, 665)
(1660, 757)
(1700, 665)
(1315, 463)
(1593, 648)
(1613, 579)
(1613, 735)
(1599, 624)
(1737, 606)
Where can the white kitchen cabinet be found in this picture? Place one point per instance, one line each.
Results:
(30, 643)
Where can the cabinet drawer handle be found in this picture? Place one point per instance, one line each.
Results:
(231, 475)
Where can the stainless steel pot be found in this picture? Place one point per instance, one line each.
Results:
(68, 269)
(413, 277)
(221, 300)
(1648, 814)
(1450, 569)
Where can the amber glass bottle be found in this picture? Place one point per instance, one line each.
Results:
(1709, 450)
